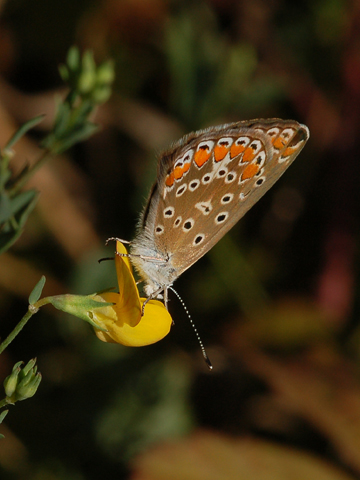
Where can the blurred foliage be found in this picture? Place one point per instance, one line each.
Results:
(89, 86)
(276, 301)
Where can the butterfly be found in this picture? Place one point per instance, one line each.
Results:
(205, 183)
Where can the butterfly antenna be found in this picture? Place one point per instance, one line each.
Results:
(105, 258)
(206, 358)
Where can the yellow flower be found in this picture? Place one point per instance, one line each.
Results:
(122, 322)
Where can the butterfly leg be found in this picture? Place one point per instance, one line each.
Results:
(151, 297)
(166, 297)
(116, 239)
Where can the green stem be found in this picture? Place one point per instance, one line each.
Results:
(16, 330)
(24, 178)
(32, 310)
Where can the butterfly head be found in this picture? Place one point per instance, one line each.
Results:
(153, 267)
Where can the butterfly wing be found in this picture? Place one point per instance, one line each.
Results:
(210, 179)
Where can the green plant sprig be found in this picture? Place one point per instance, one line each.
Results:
(89, 86)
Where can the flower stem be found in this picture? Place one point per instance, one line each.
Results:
(16, 330)
(24, 178)
(31, 311)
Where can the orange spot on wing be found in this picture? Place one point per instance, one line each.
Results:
(249, 154)
(279, 143)
(178, 172)
(289, 151)
(220, 152)
(169, 182)
(201, 156)
(236, 150)
(186, 167)
(250, 171)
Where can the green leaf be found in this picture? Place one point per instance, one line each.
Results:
(77, 136)
(5, 209)
(23, 129)
(5, 176)
(10, 231)
(19, 177)
(11, 206)
(62, 119)
(37, 291)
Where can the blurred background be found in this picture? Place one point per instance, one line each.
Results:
(276, 302)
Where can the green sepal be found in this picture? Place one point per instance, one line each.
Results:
(22, 383)
(3, 415)
(37, 291)
(31, 365)
(28, 386)
(80, 306)
(11, 381)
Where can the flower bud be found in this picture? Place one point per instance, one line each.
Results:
(28, 386)
(22, 383)
(11, 381)
(101, 94)
(86, 82)
(105, 73)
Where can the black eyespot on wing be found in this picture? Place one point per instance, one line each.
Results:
(198, 239)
